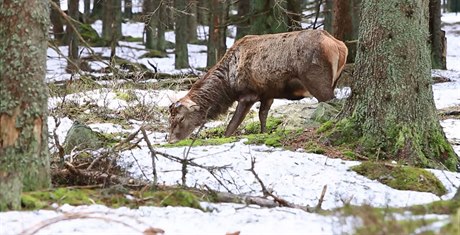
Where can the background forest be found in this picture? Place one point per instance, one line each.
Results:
(86, 151)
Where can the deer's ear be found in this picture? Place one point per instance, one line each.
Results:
(194, 107)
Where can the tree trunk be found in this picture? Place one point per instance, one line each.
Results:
(345, 25)
(73, 63)
(98, 9)
(161, 27)
(203, 12)
(86, 10)
(24, 156)
(111, 22)
(217, 32)
(391, 112)
(328, 14)
(56, 21)
(242, 21)
(192, 21)
(294, 15)
(438, 58)
(128, 9)
(181, 52)
(150, 23)
(268, 17)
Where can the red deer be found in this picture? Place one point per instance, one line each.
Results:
(261, 68)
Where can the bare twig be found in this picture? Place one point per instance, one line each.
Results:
(72, 216)
(152, 156)
(321, 198)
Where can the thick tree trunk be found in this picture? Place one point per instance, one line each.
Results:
(345, 25)
(181, 52)
(217, 32)
(24, 156)
(161, 27)
(437, 37)
(391, 112)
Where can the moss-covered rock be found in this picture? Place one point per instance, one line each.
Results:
(91, 36)
(402, 177)
(81, 136)
(324, 112)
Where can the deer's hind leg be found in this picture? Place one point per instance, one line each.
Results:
(263, 113)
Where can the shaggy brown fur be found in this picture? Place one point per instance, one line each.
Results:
(261, 68)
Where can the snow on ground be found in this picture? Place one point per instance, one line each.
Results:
(295, 176)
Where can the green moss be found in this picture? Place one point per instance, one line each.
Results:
(453, 227)
(42, 199)
(153, 54)
(437, 207)
(326, 126)
(202, 142)
(349, 154)
(402, 177)
(181, 198)
(90, 35)
(128, 95)
(313, 147)
(254, 127)
(29, 202)
(131, 39)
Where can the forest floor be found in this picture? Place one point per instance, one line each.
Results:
(119, 107)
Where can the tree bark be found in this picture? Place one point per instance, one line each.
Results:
(268, 17)
(391, 112)
(111, 21)
(242, 21)
(217, 32)
(192, 21)
(345, 24)
(24, 156)
(128, 9)
(150, 23)
(438, 56)
(72, 39)
(86, 10)
(294, 12)
(56, 21)
(181, 52)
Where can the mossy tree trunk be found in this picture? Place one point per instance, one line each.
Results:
(391, 112)
(180, 29)
(24, 156)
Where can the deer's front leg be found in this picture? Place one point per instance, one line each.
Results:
(241, 110)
